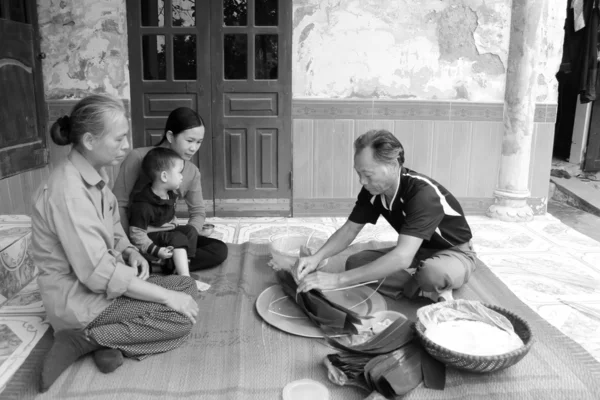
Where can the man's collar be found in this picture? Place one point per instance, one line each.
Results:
(384, 202)
(88, 173)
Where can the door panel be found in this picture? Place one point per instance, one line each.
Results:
(266, 154)
(22, 116)
(251, 87)
(250, 104)
(169, 68)
(236, 141)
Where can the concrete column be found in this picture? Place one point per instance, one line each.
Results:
(512, 190)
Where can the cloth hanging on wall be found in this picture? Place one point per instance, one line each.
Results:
(578, 18)
(588, 88)
(580, 53)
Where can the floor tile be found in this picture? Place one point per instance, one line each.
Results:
(262, 220)
(543, 276)
(18, 336)
(217, 220)
(382, 232)
(225, 232)
(592, 259)
(316, 233)
(562, 235)
(577, 317)
(495, 236)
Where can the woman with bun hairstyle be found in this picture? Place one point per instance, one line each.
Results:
(184, 132)
(95, 285)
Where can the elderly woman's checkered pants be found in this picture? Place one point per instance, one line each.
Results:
(142, 328)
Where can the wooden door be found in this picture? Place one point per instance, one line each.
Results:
(592, 152)
(251, 89)
(169, 67)
(22, 115)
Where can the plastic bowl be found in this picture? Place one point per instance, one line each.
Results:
(286, 249)
(305, 389)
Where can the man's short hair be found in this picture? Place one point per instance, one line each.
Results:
(157, 160)
(386, 147)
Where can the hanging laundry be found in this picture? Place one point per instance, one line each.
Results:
(579, 20)
(588, 87)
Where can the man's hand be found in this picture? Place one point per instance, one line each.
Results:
(306, 265)
(165, 252)
(320, 280)
(137, 261)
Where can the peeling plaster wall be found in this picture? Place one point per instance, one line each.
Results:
(413, 49)
(85, 42)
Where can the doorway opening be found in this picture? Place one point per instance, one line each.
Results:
(576, 148)
(229, 60)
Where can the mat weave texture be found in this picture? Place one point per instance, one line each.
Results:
(233, 354)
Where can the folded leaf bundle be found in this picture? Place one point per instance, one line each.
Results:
(398, 334)
(352, 365)
(331, 318)
(392, 363)
(396, 373)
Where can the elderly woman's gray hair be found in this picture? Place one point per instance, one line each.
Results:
(386, 147)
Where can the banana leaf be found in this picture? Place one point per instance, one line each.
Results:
(391, 363)
(396, 373)
(398, 334)
(392, 374)
(333, 319)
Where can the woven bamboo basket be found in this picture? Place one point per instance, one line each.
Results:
(481, 364)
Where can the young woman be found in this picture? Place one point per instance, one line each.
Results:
(95, 285)
(184, 133)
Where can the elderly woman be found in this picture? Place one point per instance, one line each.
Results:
(95, 285)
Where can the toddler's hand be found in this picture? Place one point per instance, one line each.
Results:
(165, 252)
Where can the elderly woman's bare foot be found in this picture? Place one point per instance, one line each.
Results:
(68, 346)
(108, 360)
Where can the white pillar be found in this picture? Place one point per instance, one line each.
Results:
(512, 190)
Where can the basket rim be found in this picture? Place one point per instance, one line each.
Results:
(428, 343)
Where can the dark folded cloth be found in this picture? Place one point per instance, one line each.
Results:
(331, 318)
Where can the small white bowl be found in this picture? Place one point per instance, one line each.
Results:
(305, 389)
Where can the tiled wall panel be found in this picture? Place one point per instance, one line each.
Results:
(16, 192)
(458, 144)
